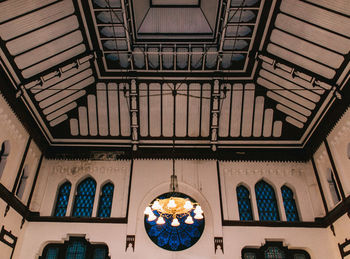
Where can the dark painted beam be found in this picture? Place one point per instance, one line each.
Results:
(220, 194)
(13, 202)
(283, 224)
(37, 218)
(334, 169)
(129, 188)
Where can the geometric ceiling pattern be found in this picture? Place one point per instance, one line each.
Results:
(174, 37)
(211, 75)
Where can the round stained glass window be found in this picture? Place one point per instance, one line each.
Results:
(174, 238)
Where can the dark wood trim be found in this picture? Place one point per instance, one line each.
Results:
(129, 188)
(334, 169)
(37, 218)
(34, 181)
(13, 202)
(220, 194)
(319, 185)
(4, 233)
(20, 169)
(340, 210)
(285, 224)
(330, 218)
(343, 251)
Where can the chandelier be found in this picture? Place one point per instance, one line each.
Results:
(173, 207)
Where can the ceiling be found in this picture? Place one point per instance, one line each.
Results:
(222, 78)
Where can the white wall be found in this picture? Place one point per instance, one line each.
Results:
(12, 130)
(196, 178)
(339, 140)
(55, 172)
(297, 176)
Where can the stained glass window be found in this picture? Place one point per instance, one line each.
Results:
(266, 201)
(249, 256)
(76, 250)
(84, 199)
(244, 205)
(274, 253)
(105, 204)
(274, 250)
(174, 238)
(62, 199)
(100, 253)
(289, 204)
(52, 253)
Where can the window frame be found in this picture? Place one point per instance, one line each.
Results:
(260, 252)
(62, 248)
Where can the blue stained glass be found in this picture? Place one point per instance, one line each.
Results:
(289, 204)
(266, 201)
(52, 253)
(244, 205)
(106, 198)
(100, 253)
(174, 238)
(84, 199)
(76, 250)
(274, 253)
(62, 199)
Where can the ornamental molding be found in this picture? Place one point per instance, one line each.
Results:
(9, 127)
(342, 133)
(78, 169)
(287, 172)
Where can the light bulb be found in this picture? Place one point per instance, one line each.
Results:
(188, 205)
(151, 216)
(148, 210)
(171, 204)
(198, 209)
(160, 221)
(175, 222)
(189, 220)
(198, 216)
(156, 206)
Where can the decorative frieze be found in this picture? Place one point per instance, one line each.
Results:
(286, 172)
(80, 168)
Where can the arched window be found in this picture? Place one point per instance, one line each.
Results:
(84, 198)
(289, 204)
(4, 153)
(244, 205)
(274, 250)
(274, 253)
(106, 198)
(22, 182)
(76, 250)
(333, 188)
(266, 201)
(62, 199)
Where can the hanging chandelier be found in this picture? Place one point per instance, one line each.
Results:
(174, 208)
